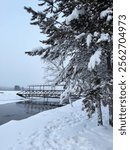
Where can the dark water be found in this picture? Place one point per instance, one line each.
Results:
(21, 110)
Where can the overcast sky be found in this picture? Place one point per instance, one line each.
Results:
(16, 37)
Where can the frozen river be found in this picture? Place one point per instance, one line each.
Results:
(21, 110)
(13, 107)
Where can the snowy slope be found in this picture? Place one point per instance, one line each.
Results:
(64, 128)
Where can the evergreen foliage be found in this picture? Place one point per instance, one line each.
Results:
(81, 30)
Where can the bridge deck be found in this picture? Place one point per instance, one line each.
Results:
(40, 93)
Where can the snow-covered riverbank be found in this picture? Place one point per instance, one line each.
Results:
(64, 128)
(9, 97)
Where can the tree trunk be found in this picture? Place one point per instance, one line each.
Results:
(111, 113)
(110, 71)
(99, 113)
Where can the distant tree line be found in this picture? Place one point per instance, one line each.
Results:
(15, 88)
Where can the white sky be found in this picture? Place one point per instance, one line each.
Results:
(16, 37)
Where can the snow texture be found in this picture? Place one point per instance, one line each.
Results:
(74, 15)
(94, 59)
(105, 13)
(64, 128)
(89, 39)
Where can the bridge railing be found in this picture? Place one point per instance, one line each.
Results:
(45, 87)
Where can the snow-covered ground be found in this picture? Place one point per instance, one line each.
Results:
(9, 97)
(64, 128)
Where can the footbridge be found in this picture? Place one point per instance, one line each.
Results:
(43, 91)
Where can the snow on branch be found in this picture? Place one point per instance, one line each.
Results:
(95, 59)
(89, 39)
(74, 15)
(65, 96)
(105, 13)
(109, 18)
(104, 37)
(95, 34)
(36, 51)
(79, 36)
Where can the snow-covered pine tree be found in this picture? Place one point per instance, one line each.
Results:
(82, 31)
